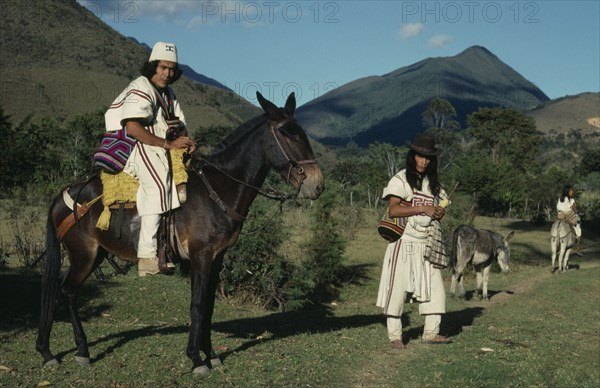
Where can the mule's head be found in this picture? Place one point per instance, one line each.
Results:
(288, 149)
(503, 253)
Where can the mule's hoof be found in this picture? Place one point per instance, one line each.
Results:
(82, 361)
(51, 363)
(201, 370)
(216, 362)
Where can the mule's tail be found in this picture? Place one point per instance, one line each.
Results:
(454, 249)
(50, 287)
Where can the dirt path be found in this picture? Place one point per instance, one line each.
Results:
(373, 374)
(525, 286)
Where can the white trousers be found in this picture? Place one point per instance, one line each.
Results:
(156, 193)
(430, 330)
(147, 244)
(577, 230)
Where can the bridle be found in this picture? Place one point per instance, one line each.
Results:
(271, 193)
(292, 161)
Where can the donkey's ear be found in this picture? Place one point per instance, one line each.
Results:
(290, 104)
(269, 108)
(510, 235)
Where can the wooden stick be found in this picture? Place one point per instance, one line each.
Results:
(454, 188)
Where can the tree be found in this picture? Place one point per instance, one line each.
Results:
(440, 114)
(590, 160)
(78, 143)
(439, 117)
(388, 155)
(506, 132)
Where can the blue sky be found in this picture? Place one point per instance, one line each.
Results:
(311, 47)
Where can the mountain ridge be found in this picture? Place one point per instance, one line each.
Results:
(188, 71)
(387, 108)
(65, 61)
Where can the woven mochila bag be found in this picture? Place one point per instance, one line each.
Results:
(392, 228)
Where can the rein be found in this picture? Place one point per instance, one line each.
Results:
(271, 193)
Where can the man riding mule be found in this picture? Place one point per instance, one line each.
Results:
(149, 111)
(220, 190)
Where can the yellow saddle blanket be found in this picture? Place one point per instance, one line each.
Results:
(122, 187)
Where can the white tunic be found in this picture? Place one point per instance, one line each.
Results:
(404, 271)
(565, 206)
(146, 163)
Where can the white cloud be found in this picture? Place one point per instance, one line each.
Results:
(439, 41)
(410, 30)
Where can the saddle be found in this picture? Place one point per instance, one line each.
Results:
(119, 193)
(120, 189)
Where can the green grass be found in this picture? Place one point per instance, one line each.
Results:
(543, 330)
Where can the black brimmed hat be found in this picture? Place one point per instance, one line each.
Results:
(425, 145)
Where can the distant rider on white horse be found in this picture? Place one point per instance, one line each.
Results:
(568, 211)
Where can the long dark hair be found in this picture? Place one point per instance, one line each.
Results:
(148, 70)
(565, 192)
(415, 179)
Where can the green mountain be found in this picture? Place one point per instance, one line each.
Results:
(59, 60)
(388, 108)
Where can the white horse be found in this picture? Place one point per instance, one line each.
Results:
(562, 240)
(480, 247)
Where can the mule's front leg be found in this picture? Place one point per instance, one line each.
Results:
(197, 316)
(206, 340)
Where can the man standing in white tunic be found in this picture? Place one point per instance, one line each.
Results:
(148, 110)
(406, 275)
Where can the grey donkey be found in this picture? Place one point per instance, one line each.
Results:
(480, 247)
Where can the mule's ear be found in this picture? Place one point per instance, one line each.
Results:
(510, 235)
(290, 104)
(269, 108)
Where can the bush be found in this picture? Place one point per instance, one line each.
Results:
(253, 269)
(325, 247)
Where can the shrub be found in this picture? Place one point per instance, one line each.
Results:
(325, 247)
(256, 271)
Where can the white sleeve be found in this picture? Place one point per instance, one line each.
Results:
(564, 206)
(138, 103)
(398, 186)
